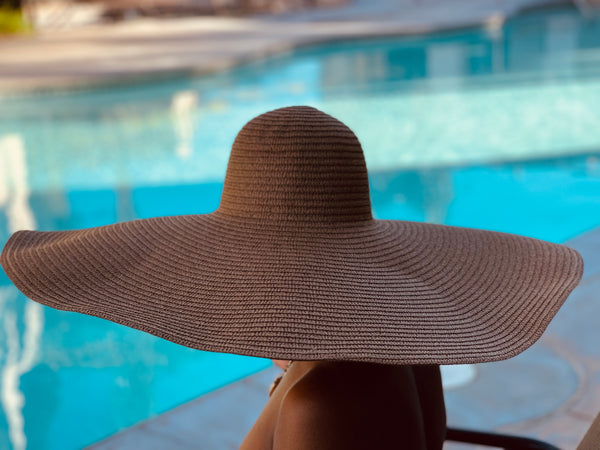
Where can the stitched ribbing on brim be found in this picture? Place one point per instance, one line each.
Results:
(293, 266)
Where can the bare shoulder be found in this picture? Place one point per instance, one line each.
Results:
(350, 406)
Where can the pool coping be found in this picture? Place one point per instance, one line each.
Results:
(155, 49)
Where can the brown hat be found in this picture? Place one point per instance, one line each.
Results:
(293, 266)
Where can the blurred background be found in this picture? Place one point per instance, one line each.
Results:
(481, 114)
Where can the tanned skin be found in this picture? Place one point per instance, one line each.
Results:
(327, 405)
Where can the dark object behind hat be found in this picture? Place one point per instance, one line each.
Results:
(293, 266)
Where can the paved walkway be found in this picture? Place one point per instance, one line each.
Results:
(551, 391)
(154, 48)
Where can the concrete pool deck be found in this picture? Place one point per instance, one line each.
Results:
(146, 49)
(550, 392)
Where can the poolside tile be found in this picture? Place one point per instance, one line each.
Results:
(262, 378)
(573, 322)
(588, 244)
(562, 430)
(526, 386)
(218, 420)
(240, 403)
(141, 438)
(587, 405)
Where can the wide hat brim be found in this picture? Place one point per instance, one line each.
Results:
(372, 290)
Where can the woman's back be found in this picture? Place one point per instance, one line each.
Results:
(352, 405)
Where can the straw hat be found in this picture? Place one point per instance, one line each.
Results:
(293, 266)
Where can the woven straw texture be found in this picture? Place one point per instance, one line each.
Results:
(293, 266)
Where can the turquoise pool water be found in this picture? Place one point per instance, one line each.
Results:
(488, 128)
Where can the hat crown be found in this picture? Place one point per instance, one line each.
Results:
(297, 164)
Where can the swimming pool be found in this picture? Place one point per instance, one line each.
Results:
(494, 128)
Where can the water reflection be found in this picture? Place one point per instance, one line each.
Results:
(527, 48)
(14, 188)
(21, 350)
(184, 108)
